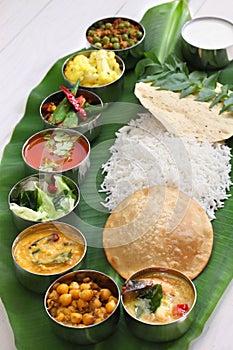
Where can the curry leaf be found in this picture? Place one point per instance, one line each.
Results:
(188, 91)
(154, 296)
(142, 65)
(154, 70)
(211, 81)
(221, 96)
(205, 94)
(176, 82)
(226, 75)
(173, 63)
(227, 104)
(197, 77)
(161, 78)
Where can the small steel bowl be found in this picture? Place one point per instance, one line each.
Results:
(36, 156)
(200, 46)
(110, 92)
(20, 222)
(131, 54)
(159, 332)
(90, 128)
(87, 334)
(28, 276)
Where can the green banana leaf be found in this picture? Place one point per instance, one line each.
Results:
(25, 309)
(168, 19)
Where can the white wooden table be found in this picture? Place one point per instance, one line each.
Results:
(33, 36)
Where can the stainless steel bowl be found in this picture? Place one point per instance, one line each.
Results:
(93, 333)
(110, 92)
(76, 171)
(160, 332)
(20, 222)
(39, 282)
(130, 55)
(207, 43)
(90, 128)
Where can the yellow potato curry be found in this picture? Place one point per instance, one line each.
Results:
(100, 68)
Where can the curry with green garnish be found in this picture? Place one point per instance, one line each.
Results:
(158, 298)
(55, 150)
(48, 251)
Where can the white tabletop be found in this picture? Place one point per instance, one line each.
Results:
(33, 36)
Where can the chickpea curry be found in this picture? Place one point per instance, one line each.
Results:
(80, 303)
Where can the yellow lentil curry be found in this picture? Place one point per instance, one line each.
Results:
(48, 251)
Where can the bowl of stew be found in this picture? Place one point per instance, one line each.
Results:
(158, 304)
(43, 252)
(83, 306)
(76, 109)
(57, 150)
(124, 36)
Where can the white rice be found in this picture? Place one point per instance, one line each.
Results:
(143, 155)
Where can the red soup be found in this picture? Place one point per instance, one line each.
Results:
(55, 150)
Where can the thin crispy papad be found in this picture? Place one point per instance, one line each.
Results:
(185, 116)
(158, 226)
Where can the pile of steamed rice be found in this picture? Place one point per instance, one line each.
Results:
(144, 155)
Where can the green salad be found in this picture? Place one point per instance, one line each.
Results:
(43, 198)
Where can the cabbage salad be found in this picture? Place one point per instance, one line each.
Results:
(38, 199)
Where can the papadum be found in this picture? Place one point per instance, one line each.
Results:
(185, 116)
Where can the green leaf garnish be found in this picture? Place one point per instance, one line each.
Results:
(152, 297)
(192, 89)
(221, 96)
(211, 81)
(227, 104)
(175, 82)
(197, 77)
(58, 259)
(173, 75)
(205, 94)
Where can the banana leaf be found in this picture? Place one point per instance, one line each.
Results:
(25, 309)
(164, 23)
